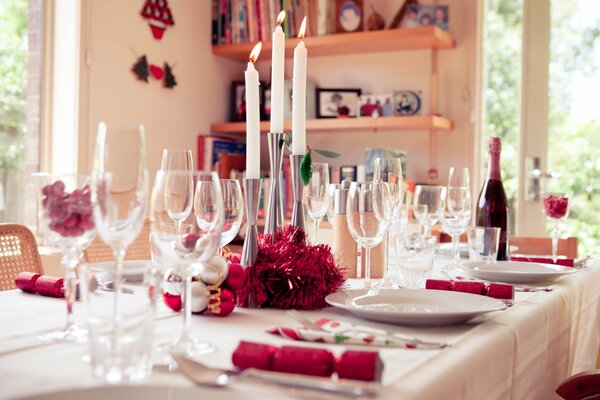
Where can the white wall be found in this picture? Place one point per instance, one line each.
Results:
(113, 30)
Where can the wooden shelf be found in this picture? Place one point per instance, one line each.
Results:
(418, 122)
(350, 43)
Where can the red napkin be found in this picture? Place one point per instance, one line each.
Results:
(565, 262)
(361, 365)
(500, 291)
(45, 285)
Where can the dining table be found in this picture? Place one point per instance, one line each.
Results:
(521, 352)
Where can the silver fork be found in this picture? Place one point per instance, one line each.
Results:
(304, 321)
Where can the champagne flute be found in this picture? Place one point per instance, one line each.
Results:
(65, 216)
(191, 250)
(556, 208)
(316, 197)
(389, 170)
(456, 214)
(233, 210)
(120, 187)
(428, 201)
(179, 208)
(368, 215)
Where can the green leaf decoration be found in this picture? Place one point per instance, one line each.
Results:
(339, 338)
(327, 153)
(306, 168)
(388, 342)
(287, 141)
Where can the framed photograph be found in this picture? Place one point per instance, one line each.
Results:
(337, 103)
(418, 15)
(238, 101)
(377, 105)
(349, 16)
(407, 102)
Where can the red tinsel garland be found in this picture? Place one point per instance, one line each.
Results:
(290, 273)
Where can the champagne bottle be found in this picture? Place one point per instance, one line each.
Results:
(492, 206)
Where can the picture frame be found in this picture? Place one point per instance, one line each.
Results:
(407, 102)
(376, 105)
(337, 103)
(419, 15)
(349, 16)
(238, 102)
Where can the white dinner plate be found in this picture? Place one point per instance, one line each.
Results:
(414, 307)
(445, 249)
(133, 271)
(515, 271)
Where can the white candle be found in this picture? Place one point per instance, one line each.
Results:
(277, 70)
(299, 96)
(252, 118)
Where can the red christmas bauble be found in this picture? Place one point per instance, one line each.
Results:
(235, 277)
(222, 304)
(172, 301)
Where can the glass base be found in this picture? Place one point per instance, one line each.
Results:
(453, 265)
(386, 283)
(71, 333)
(191, 347)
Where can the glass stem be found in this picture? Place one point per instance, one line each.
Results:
(455, 250)
(555, 241)
(427, 230)
(70, 261)
(367, 251)
(317, 222)
(119, 255)
(186, 327)
(386, 249)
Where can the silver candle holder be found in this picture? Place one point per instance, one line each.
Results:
(250, 249)
(275, 211)
(297, 187)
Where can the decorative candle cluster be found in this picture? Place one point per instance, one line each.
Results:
(70, 213)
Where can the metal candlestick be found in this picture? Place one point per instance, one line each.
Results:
(250, 250)
(275, 211)
(297, 187)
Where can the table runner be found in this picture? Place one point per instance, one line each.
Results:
(520, 353)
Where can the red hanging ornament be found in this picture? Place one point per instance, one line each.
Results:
(159, 17)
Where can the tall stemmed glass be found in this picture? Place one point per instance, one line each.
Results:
(389, 170)
(191, 250)
(456, 214)
(428, 201)
(65, 215)
(316, 197)
(120, 188)
(233, 210)
(368, 215)
(556, 208)
(179, 160)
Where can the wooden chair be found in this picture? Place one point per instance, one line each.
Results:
(140, 249)
(18, 253)
(583, 386)
(543, 246)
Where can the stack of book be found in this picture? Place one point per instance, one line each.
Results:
(241, 21)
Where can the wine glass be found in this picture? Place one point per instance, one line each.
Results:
(556, 208)
(389, 170)
(427, 204)
(120, 188)
(368, 215)
(191, 250)
(181, 160)
(233, 209)
(65, 215)
(456, 213)
(316, 197)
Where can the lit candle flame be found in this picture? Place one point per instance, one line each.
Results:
(302, 29)
(280, 18)
(255, 52)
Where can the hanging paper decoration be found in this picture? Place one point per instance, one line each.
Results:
(143, 70)
(158, 15)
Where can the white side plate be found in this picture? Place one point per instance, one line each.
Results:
(516, 271)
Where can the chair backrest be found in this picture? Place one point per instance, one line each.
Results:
(583, 386)
(543, 246)
(98, 251)
(18, 253)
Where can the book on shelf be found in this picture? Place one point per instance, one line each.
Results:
(210, 147)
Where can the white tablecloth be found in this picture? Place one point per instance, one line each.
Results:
(523, 352)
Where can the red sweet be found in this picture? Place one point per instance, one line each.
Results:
(26, 281)
(189, 240)
(49, 286)
(235, 277)
(500, 291)
(361, 365)
(253, 355)
(556, 207)
(303, 360)
(438, 284)
(226, 306)
(69, 213)
(172, 301)
(468, 287)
